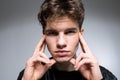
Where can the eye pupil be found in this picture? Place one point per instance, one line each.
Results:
(51, 33)
(70, 32)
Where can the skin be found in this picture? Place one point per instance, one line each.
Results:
(34, 68)
(62, 37)
(86, 62)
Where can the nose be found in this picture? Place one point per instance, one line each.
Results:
(61, 42)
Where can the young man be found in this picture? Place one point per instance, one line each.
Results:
(62, 33)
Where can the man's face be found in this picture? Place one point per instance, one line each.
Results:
(62, 38)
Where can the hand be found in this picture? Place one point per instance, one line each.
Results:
(38, 64)
(86, 62)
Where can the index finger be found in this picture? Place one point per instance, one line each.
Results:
(83, 44)
(41, 45)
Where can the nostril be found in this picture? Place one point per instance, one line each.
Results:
(61, 42)
(61, 46)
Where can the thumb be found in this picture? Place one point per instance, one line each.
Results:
(72, 61)
(52, 62)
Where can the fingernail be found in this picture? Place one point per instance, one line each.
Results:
(76, 69)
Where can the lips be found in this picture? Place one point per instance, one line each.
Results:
(62, 53)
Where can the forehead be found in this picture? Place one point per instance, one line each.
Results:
(61, 23)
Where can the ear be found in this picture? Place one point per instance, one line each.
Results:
(82, 31)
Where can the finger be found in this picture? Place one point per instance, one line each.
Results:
(79, 58)
(43, 47)
(37, 59)
(83, 44)
(72, 61)
(40, 44)
(41, 55)
(86, 62)
(44, 56)
(52, 62)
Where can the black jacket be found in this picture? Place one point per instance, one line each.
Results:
(51, 75)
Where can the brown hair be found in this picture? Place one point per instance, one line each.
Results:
(53, 9)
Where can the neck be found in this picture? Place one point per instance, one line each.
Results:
(64, 66)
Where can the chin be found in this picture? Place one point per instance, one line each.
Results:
(62, 59)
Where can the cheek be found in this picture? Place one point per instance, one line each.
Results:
(50, 43)
(73, 43)
(47, 41)
(74, 40)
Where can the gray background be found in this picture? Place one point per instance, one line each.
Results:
(20, 31)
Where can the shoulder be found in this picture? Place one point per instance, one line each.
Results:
(107, 75)
(20, 75)
(47, 76)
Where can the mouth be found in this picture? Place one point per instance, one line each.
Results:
(62, 53)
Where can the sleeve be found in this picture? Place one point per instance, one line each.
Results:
(107, 75)
(45, 77)
(20, 75)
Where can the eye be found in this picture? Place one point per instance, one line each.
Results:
(51, 33)
(70, 32)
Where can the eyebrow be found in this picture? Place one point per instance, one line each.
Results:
(68, 29)
(49, 30)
